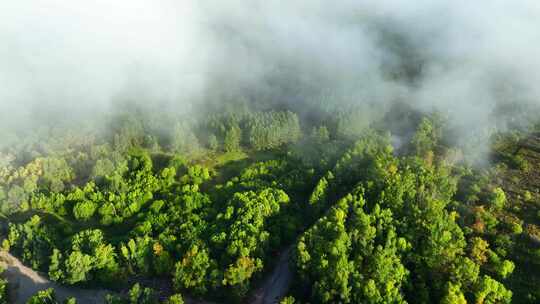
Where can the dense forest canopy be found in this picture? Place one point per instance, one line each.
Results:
(206, 209)
(192, 151)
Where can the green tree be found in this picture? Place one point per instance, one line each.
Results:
(139, 295)
(489, 291)
(105, 263)
(102, 168)
(505, 268)
(426, 137)
(16, 197)
(33, 241)
(465, 272)
(320, 134)
(162, 260)
(478, 250)
(78, 266)
(322, 258)
(137, 254)
(84, 210)
(267, 130)
(4, 299)
(497, 198)
(46, 296)
(453, 295)
(232, 139)
(193, 271)
(288, 300)
(319, 195)
(213, 143)
(241, 271)
(56, 171)
(175, 299)
(55, 267)
(184, 140)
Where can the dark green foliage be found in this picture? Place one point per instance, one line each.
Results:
(137, 254)
(288, 300)
(32, 241)
(353, 257)
(426, 138)
(175, 299)
(90, 258)
(4, 298)
(194, 271)
(497, 199)
(490, 291)
(56, 172)
(320, 134)
(84, 210)
(267, 130)
(366, 223)
(184, 140)
(78, 266)
(351, 122)
(46, 296)
(232, 139)
(135, 295)
(139, 295)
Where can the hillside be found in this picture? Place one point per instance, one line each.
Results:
(257, 207)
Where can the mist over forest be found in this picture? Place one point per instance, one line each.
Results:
(268, 152)
(476, 62)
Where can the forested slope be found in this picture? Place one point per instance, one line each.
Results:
(205, 209)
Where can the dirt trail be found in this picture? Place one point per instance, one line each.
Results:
(276, 285)
(26, 282)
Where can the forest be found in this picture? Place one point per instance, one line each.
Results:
(203, 210)
(269, 152)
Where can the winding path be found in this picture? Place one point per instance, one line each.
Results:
(277, 284)
(25, 282)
